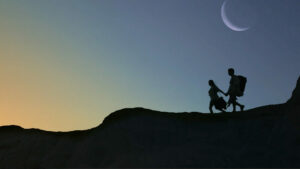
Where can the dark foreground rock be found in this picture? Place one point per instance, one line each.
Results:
(267, 136)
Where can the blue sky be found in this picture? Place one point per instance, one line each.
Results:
(86, 59)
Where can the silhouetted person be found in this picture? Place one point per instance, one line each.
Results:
(214, 98)
(234, 90)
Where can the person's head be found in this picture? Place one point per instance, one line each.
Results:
(230, 71)
(211, 83)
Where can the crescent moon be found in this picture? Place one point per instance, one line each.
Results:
(228, 23)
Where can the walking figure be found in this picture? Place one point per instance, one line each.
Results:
(215, 100)
(236, 89)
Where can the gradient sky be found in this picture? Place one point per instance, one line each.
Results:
(66, 65)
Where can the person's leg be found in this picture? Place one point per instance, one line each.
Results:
(211, 104)
(229, 102)
(234, 103)
(234, 106)
(228, 105)
(241, 106)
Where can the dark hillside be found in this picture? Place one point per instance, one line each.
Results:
(267, 136)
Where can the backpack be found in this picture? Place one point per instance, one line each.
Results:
(243, 81)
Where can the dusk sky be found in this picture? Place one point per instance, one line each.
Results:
(66, 65)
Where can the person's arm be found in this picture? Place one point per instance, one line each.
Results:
(226, 94)
(229, 88)
(219, 90)
(222, 92)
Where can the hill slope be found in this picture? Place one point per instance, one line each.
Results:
(267, 136)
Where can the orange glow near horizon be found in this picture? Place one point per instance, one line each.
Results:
(45, 81)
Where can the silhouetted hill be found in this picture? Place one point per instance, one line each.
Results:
(296, 94)
(267, 136)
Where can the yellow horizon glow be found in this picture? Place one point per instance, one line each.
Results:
(45, 80)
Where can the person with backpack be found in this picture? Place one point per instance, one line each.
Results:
(215, 100)
(236, 89)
